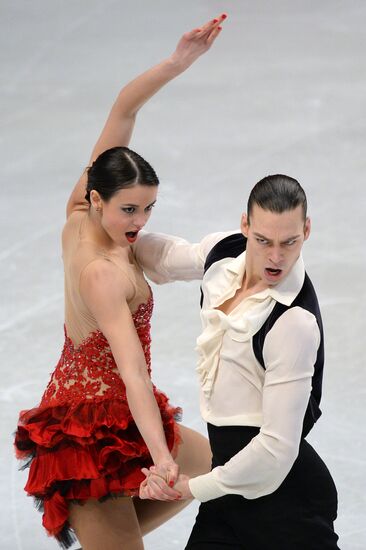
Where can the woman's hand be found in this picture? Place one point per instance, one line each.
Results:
(120, 123)
(155, 487)
(167, 470)
(196, 42)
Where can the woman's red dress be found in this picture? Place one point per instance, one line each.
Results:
(81, 442)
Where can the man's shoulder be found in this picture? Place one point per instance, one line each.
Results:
(307, 297)
(229, 247)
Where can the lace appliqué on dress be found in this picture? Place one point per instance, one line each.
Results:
(89, 371)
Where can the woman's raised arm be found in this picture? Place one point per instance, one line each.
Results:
(119, 126)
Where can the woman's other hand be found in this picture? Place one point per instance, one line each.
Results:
(196, 42)
(155, 487)
(168, 470)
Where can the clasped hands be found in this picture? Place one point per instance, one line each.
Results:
(165, 485)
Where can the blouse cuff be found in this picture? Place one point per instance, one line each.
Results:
(205, 487)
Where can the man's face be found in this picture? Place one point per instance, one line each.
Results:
(274, 242)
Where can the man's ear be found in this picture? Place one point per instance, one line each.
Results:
(244, 224)
(307, 228)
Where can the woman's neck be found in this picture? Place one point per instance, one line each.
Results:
(94, 231)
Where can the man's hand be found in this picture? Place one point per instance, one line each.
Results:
(182, 486)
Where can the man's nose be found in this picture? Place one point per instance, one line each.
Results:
(276, 255)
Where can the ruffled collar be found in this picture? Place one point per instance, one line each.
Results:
(224, 278)
(220, 283)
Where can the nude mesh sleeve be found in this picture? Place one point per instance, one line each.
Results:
(165, 258)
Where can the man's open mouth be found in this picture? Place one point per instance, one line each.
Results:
(273, 272)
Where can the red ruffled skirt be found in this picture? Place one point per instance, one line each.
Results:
(91, 449)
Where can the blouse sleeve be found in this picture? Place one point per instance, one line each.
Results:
(165, 258)
(289, 353)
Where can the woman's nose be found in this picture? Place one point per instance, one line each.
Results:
(140, 220)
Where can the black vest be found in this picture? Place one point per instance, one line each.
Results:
(233, 246)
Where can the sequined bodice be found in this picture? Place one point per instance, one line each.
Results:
(89, 371)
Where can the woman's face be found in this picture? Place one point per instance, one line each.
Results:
(126, 212)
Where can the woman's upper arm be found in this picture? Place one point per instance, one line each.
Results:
(105, 292)
(77, 200)
(117, 132)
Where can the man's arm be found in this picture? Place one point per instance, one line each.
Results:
(289, 353)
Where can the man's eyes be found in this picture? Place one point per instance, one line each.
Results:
(286, 243)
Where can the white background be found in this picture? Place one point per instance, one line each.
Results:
(283, 90)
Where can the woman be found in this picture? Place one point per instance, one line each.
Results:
(101, 419)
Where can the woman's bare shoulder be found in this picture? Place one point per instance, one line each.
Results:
(103, 278)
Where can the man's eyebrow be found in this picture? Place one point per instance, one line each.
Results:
(261, 236)
(293, 238)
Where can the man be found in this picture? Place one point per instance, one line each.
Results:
(260, 367)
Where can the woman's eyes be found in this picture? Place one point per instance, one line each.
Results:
(132, 209)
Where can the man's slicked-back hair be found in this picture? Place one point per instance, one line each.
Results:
(277, 193)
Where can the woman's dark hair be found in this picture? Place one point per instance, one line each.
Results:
(118, 168)
(277, 193)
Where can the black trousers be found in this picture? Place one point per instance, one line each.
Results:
(299, 515)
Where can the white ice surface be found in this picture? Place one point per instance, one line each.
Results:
(284, 90)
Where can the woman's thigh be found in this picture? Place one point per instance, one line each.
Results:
(109, 525)
(194, 454)
(194, 458)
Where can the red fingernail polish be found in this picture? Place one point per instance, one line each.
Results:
(215, 20)
(219, 28)
(171, 483)
(223, 16)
